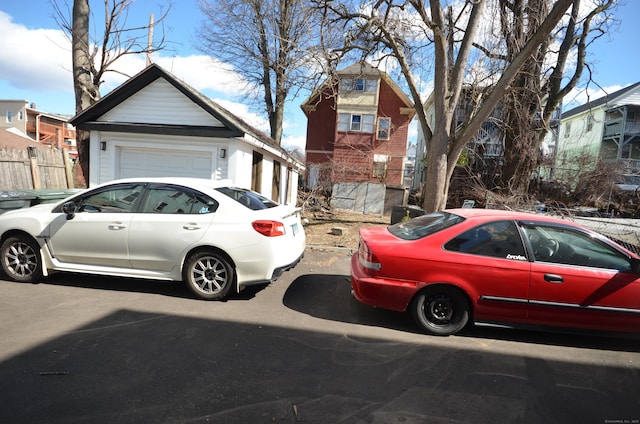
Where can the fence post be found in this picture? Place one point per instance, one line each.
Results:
(35, 173)
(68, 168)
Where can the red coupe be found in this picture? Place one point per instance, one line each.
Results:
(457, 266)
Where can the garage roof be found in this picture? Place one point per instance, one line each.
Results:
(233, 126)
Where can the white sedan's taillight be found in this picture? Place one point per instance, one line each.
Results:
(269, 228)
(367, 258)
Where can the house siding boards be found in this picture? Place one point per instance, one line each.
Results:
(603, 128)
(351, 154)
(321, 129)
(156, 125)
(160, 103)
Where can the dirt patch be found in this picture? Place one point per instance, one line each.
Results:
(338, 228)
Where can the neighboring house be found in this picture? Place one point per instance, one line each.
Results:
(156, 125)
(46, 128)
(607, 128)
(357, 129)
(484, 152)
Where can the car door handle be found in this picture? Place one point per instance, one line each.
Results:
(553, 278)
(117, 226)
(192, 226)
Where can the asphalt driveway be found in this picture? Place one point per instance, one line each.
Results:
(79, 349)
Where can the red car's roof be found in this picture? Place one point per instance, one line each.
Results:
(503, 214)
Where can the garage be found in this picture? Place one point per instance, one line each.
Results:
(155, 125)
(138, 162)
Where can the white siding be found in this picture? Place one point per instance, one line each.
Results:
(576, 142)
(240, 157)
(160, 103)
(267, 176)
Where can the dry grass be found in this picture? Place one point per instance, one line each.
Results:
(338, 228)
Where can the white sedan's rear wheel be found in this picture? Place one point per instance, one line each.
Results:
(20, 258)
(208, 275)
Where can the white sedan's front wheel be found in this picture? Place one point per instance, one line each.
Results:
(208, 275)
(20, 257)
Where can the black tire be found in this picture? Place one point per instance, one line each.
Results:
(440, 310)
(21, 261)
(208, 275)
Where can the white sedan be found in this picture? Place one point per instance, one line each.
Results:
(211, 235)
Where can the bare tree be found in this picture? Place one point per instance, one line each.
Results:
(92, 58)
(270, 43)
(418, 35)
(537, 90)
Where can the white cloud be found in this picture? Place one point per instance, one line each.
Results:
(204, 73)
(36, 65)
(294, 142)
(242, 111)
(37, 59)
(580, 96)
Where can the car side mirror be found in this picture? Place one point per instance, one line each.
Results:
(635, 266)
(69, 208)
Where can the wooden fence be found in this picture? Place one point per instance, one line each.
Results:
(33, 168)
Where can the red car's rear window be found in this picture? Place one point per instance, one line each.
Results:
(424, 225)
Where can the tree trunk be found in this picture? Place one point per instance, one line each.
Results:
(82, 81)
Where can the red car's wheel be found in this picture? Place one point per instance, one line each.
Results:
(440, 310)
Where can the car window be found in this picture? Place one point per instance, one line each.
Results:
(177, 200)
(424, 225)
(498, 239)
(248, 198)
(562, 245)
(115, 199)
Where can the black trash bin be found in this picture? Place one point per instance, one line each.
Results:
(50, 195)
(10, 200)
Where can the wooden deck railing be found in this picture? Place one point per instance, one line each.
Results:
(50, 133)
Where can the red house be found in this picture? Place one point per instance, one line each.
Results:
(357, 129)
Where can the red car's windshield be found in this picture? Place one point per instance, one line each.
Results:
(424, 225)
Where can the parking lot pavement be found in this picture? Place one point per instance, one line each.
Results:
(92, 349)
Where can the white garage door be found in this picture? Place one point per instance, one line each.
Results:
(163, 163)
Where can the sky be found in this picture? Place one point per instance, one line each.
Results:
(35, 61)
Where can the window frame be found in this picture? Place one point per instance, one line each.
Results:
(386, 130)
(487, 240)
(575, 234)
(366, 124)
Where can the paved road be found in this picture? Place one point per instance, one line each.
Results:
(92, 349)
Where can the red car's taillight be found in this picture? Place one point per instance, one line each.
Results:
(367, 258)
(269, 228)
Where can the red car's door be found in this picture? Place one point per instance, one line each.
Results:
(494, 269)
(580, 281)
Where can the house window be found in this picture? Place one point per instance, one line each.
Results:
(20, 116)
(9, 116)
(384, 126)
(358, 84)
(380, 165)
(356, 122)
(567, 130)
